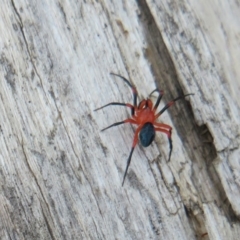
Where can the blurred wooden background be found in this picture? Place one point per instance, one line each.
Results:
(60, 177)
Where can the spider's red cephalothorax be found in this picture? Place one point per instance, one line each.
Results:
(144, 116)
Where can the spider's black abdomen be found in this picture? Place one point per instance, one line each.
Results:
(147, 134)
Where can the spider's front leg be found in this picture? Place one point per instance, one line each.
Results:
(118, 104)
(171, 103)
(160, 94)
(134, 91)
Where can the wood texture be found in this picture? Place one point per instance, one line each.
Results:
(61, 177)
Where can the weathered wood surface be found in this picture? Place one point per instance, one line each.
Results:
(61, 177)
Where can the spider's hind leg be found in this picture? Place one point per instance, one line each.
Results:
(135, 140)
(169, 135)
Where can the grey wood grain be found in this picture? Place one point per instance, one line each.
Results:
(60, 177)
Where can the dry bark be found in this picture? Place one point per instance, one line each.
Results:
(61, 177)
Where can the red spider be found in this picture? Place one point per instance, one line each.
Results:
(144, 115)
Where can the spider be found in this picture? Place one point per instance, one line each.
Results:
(144, 116)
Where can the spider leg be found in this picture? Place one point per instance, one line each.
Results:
(160, 92)
(129, 120)
(135, 140)
(169, 135)
(163, 125)
(134, 90)
(171, 103)
(115, 103)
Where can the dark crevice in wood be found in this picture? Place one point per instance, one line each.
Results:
(197, 140)
(196, 223)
